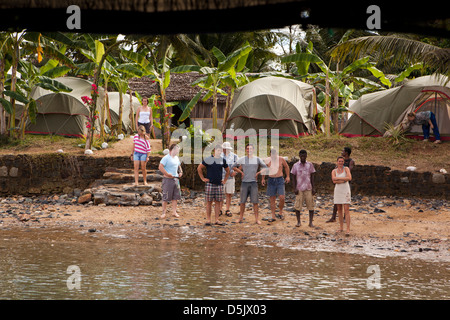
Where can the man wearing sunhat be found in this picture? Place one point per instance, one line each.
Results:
(229, 187)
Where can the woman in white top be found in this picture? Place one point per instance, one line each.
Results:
(144, 116)
(342, 195)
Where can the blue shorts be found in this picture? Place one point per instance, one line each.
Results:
(137, 156)
(275, 186)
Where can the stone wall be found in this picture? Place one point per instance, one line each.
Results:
(367, 180)
(55, 173)
(62, 173)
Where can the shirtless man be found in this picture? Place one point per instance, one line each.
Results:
(276, 180)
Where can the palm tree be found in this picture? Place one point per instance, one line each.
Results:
(398, 50)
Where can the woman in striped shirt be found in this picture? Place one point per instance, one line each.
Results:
(141, 151)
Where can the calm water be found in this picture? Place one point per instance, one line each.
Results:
(176, 264)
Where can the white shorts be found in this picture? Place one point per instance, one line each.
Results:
(229, 186)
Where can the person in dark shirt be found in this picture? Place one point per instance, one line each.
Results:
(214, 183)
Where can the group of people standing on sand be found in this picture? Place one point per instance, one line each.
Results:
(222, 167)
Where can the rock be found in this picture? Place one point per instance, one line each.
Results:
(378, 210)
(146, 200)
(85, 198)
(3, 171)
(13, 172)
(76, 192)
(68, 190)
(24, 217)
(86, 191)
(438, 178)
(404, 179)
(34, 190)
(88, 152)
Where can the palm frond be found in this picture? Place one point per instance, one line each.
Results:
(439, 60)
(397, 49)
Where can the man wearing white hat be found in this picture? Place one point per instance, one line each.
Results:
(229, 187)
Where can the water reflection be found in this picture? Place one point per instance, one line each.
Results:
(181, 264)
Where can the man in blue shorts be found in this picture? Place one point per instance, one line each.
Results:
(276, 180)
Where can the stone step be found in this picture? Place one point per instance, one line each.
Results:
(114, 177)
(116, 187)
(129, 170)
(127, 195)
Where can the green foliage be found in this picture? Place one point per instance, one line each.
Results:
(396, 135)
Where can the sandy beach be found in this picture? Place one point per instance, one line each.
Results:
(380, 226)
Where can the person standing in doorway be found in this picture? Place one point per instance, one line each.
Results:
(349, 163)
(248, 167)
(303, 184)
(342, 194)
(141, 152)
(276, 181)
(170, 166)
(229, 186)
(144, 116)
(214, 182)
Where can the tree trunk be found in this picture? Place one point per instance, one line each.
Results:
(327, 105)
(165, 132)
(227, 110)
(13, 84)
(2, 87)
(131, 114)
(336, 106)
(119, 124)
(214, 110)
(103, 113)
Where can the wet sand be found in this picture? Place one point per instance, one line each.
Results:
(380, 226)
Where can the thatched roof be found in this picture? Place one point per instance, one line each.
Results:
(180, 88)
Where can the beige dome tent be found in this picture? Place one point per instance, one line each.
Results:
(63, 113)
(373, 111)
(274, 103)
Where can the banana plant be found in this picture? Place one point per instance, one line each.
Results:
(100, 67)
(336, 82)
(13, 47)
(216, 78)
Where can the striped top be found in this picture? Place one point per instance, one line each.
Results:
(141, 145)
